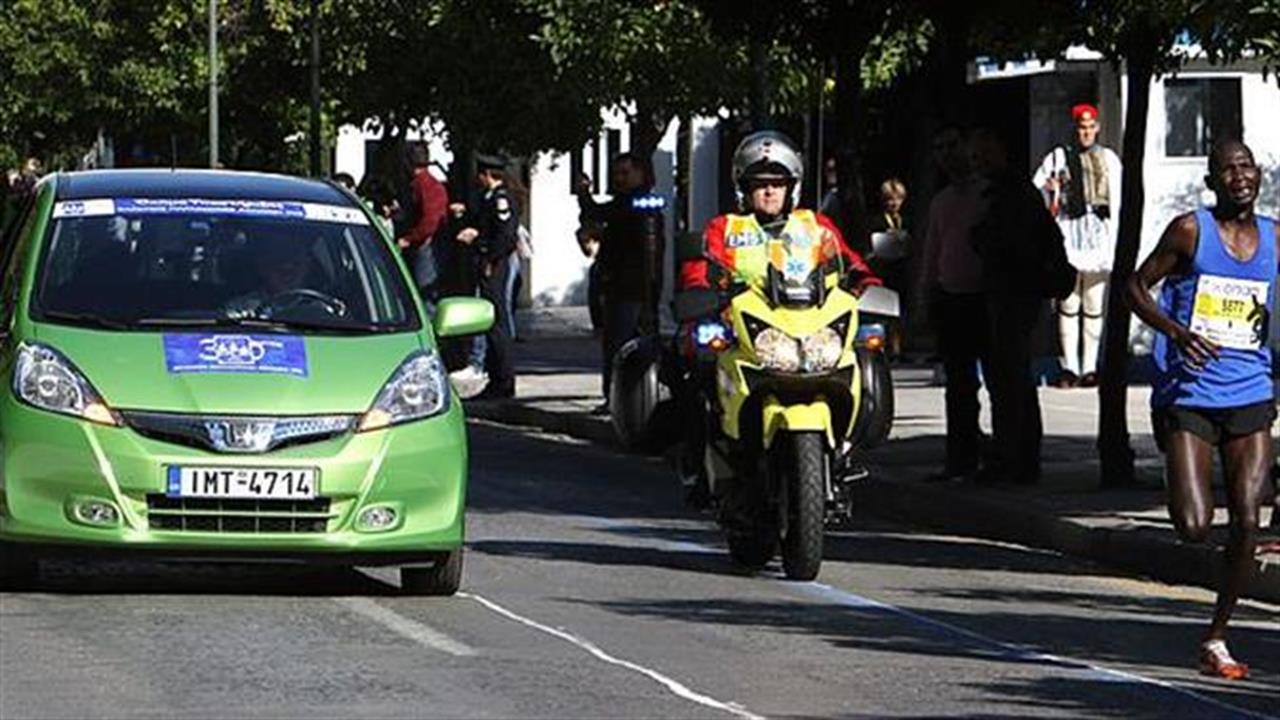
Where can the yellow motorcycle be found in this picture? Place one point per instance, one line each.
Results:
(787, 412)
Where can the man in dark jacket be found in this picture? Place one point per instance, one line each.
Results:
(492, 234)
(1022, 254)
(630, 256)
(428, 203)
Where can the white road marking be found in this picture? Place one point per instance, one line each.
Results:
(1023, 653)
(1008, 650)
(425, 636)
(673, 686)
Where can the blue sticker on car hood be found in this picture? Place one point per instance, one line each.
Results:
(268, 354)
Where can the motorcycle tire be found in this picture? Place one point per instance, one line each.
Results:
(875, 414)
(804, 475)
(753, 550)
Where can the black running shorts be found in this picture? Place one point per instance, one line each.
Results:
(1213, 425)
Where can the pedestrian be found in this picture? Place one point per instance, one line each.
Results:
(630, 257)
(344, 180)
(588, 236)
(429, 201)
(1023, 264)
(492, 234)
(889, 250)
(523, 253)
(1213, 392)
(951, 295)
(380, 196)
(1081, 185)
(830, 204)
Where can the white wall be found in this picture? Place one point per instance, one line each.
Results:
(1175, 185)
(349, 154)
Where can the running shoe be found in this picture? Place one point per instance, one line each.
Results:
(1216, 661)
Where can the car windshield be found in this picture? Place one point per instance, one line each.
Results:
(139, 264)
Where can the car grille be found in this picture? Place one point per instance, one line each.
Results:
(237, 434)
(238, 516)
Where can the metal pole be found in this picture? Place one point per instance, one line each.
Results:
(315, 88)
(213, 83)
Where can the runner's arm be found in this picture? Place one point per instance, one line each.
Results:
(1174, 252)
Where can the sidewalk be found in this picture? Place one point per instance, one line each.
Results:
(1127, 529)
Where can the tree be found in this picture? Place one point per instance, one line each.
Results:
(654, 61)
(74, 68)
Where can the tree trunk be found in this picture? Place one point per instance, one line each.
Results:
(1113, 428)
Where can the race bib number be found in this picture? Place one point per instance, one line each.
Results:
(1231, 312)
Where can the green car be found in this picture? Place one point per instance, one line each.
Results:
(223, 366)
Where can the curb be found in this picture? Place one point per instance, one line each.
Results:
(1006, 518)
(1012, 520)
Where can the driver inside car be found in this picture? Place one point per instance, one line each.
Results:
(283, 269)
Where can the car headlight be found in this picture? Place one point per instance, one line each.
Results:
(44, 378)
(418, 389)
(821, 351)
(777, 350)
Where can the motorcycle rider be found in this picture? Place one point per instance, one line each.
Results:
(767, 174)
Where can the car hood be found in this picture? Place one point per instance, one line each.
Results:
(320, 375)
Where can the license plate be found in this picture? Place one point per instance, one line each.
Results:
(242, 483)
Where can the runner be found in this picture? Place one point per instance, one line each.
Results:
(1213, 387)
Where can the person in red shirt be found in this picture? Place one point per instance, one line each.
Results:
(430, 203)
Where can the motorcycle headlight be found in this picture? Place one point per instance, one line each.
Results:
(777, 350)
(44, 378)
(418, 389)
(821, 351)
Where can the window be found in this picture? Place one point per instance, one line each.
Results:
(191, 268)
(1199, 112)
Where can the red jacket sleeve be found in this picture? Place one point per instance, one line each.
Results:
(852, 259)
(433, 203)
(695, 273)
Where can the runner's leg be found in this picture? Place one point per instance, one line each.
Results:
(1189, 471)
(1246, 468)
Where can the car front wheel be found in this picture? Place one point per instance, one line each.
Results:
(441, 579)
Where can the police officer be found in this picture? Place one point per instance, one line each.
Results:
(493, 234)
(629, 260)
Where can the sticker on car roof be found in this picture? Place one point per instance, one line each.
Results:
(99, 207)
(218, 353)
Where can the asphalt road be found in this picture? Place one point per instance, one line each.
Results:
(590, 592)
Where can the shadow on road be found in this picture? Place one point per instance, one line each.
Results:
(1056, 681)
(101, 577)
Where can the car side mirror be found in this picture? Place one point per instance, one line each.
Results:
(461, 316)
(696, 303)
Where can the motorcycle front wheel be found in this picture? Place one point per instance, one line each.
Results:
(803, 476)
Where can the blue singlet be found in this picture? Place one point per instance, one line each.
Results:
(1229, 301)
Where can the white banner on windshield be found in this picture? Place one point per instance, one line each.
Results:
(135, 207)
